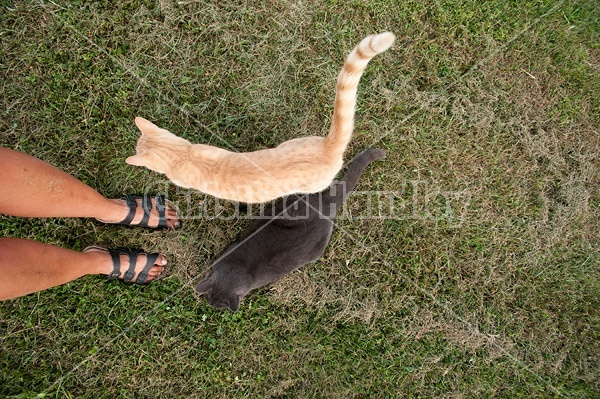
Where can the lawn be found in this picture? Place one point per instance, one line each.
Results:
(466, 265)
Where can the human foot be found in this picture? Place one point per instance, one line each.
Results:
(129, 265)
(142, 211)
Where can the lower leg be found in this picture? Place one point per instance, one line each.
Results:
(33, 188)
(28, 266)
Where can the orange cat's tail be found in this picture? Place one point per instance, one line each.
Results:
(342, 123)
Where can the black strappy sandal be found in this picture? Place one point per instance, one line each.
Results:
(147, 206)
(132, 254)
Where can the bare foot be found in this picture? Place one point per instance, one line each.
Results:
(119, 210)
(106, 266)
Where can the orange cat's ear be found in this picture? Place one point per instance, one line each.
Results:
(146, 127)
(137, 160)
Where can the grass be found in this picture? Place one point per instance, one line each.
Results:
(485, 285)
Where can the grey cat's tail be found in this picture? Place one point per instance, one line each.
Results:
(342, 123)
(340, 190)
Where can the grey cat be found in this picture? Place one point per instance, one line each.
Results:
(286, 237)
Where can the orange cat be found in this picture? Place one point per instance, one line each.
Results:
(302, 165)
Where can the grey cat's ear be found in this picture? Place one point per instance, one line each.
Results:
(233, 302)
(204, 286)
(137, 160)
(146, 127)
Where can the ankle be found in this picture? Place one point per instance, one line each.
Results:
(99, 261)
(112, 211)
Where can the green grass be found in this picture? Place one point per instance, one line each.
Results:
(496, 296)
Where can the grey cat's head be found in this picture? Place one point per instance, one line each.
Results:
(223, 292)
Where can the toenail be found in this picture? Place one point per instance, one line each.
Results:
(164, 261)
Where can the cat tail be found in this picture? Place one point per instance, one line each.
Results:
(342, 189)
(342, 124)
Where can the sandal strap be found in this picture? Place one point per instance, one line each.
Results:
(147, 208)
(132, 204)
(143, 275)
(130, 273)
(116, 259)
(161, 209)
